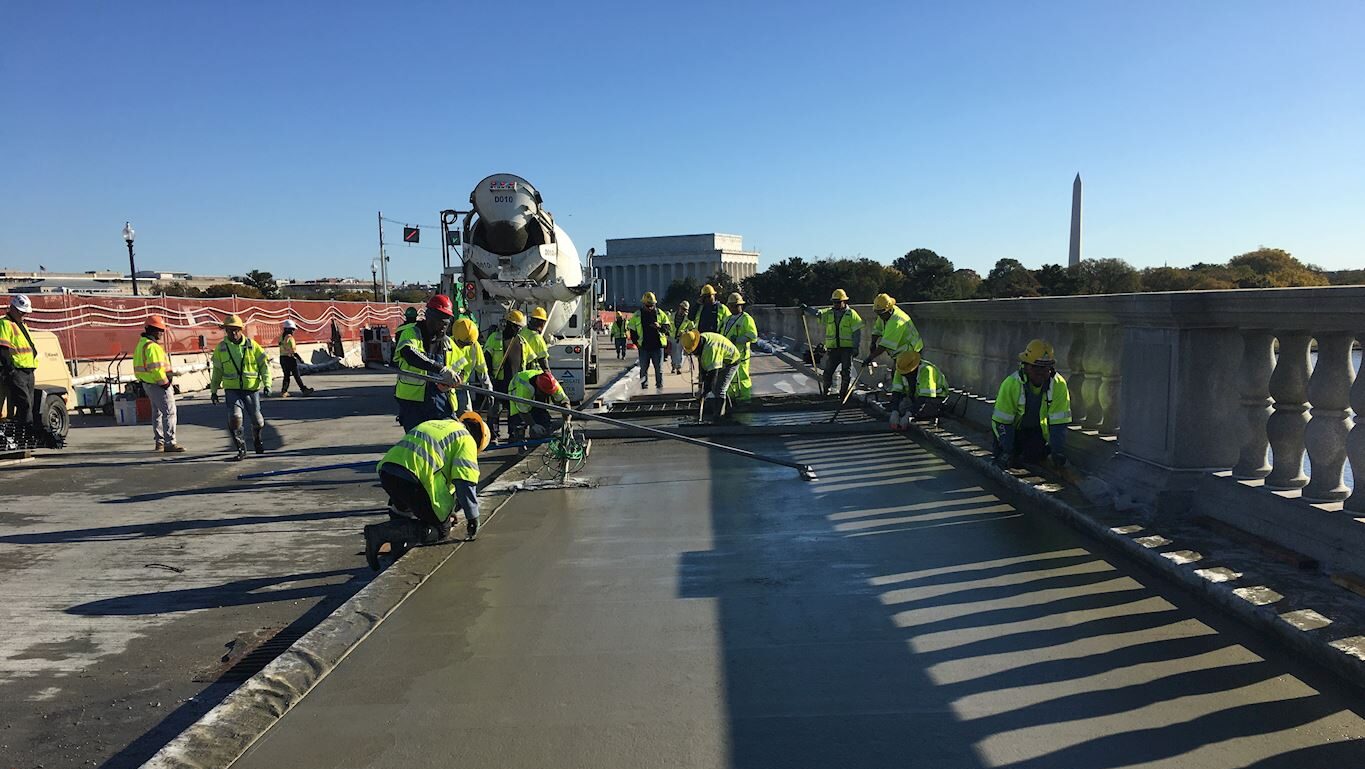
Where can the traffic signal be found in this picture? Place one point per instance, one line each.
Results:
(412, 235)
(452, 237)
(470, 291)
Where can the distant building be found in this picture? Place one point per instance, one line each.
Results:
(633, 266)
(73, 286)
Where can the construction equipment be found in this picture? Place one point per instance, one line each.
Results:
(53, 400)
(515, 257)
(848, 389)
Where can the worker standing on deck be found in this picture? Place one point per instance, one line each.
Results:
(535, 351)
(740, 329)
(533, 384)
(409, 319)
(681, 324)
(619, 335)
(18, 361)
(472, 366)
(290, 360)
(649, 329)
(426, 348)
(709, 314)
(504, 350)
(241, 367)
(918, 390)
(432, 471)
(719, 362)
(1032, 410)
(843, 338)
(152, 367)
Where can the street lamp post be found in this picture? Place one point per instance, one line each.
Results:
(374, 277)
(132, 267)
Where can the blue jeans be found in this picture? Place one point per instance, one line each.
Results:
(243, 406)
(620, 347)
(656, 358)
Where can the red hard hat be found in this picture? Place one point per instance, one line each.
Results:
(156, 321)
(547, 383)
(441, 303)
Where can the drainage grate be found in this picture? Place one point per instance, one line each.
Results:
(249, 653)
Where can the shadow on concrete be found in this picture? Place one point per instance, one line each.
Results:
(242, 592)
(167, 528)
(241, 487)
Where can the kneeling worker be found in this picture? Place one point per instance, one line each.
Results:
(433, 470)
(1032, 410)
(918, 390)
(533, 384)
(720, 360)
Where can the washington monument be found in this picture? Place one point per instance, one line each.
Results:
(1073, 256)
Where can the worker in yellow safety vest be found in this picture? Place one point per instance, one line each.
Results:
(719, 361)
(18, 363)
(290, 360)
(649, 329)
(537, 385)
(681, 324)
(893, 332)
(432, 471)
(1032, 410)
(709, 314)
(152, 367)
(740, 329)
(241, 368)
(843, 338)
(918, 390)
(505, 348)
(472, 366)
(425, 348)
(535, 352)
(619, 336)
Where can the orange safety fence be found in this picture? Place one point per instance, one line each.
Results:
(95, 327)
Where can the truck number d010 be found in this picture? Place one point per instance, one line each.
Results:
(502, 198)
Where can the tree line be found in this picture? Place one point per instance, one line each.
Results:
(259, 284)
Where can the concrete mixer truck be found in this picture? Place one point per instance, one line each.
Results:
(507, 253)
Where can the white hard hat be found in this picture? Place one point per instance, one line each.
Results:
(288, 324)
(21, 303)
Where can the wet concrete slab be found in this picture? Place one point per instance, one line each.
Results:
(694, 609)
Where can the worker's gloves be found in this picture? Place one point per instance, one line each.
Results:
(214, 396)
(266, 391)
(449, 377)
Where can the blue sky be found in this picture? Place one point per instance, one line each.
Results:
(266, 135)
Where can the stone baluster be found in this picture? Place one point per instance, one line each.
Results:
(1289, 388)
(1258, 361)
(1329, 392)
(1073, 365)
(1111, 377)
(1355, 443)
(1094, 377)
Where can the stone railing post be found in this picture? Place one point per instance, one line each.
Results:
(1076, 373)
(1095, 366)
(1329, 392)
(1111, 338)
(1258, 361)
(1289, 388)
(1355, 443)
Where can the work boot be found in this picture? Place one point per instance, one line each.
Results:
(159, 447)
(659, 382)
(284, 393)
(174, 448)
(644, 384)
(471, 530)
(240, 455)
(258, 444)
(307, 391)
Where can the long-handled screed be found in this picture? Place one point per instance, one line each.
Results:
(853, 383)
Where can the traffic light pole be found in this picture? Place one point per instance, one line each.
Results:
(383, 260)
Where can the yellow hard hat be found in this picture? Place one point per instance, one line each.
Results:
(648, 298)
(838, 296)
(477, 428)
(883, 302)
(234, 321)
(907, 361)
(539, 314)
(515, 317)
(735, 298)
(690, 340)
(1039, 353)
(708, 290)
(465, 331)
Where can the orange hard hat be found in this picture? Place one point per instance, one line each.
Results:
(156, 321)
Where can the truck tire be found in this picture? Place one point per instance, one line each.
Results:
(53, 416)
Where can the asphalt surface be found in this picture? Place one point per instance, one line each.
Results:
(695, 609)
(129, 576)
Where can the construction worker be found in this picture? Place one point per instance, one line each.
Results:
(719, 362)
(536, 353)
(619, 335)
(843, 338)
(740, 329)
(426, 348)
(533, 384)
(504, 348)
(18, 362)
(649, 329)
(681, 324)
(709, 314)
(409, 319)
(241, 367)
(433, 470)
(893, 331)
(1032, 410)
(472, 366)
(290, 359)
(152, 367)
(918, 390)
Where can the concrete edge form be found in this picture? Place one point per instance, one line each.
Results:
(1343, 656)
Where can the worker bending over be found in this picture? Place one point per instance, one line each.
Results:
(918, 390)
(649, 329)
(619, 336)
(1032, 410)
(290, 360)
(719, 363)
(426, 348)
(471, 365)
(430, 472)
(18, 362)
(242, 369)
(893, 331)
(843, 338)
(152, 367)
(741, 330)
(709, 314)
(533, 384)
(680, 324)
